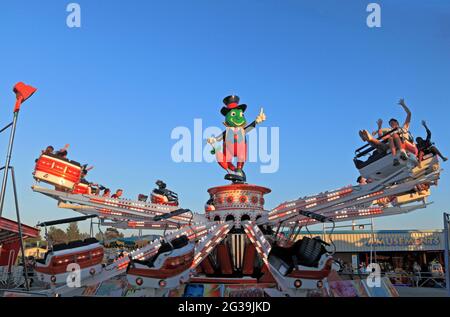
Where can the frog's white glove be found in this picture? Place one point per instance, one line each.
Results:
(212, 140)
(261, 117)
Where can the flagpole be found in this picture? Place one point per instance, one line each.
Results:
(23, 92)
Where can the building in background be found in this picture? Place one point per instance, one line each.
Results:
(393, 250)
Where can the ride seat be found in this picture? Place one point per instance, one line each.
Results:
(375, 156)
(70, 245)
(75, 244)
(74, 163)
(142, 197)
(59, 247)
(177, 243)
(42, 261)
(310, 251)
(305, 252)
(180, 242)
(89, 241)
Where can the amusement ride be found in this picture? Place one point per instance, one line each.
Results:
(237, 240)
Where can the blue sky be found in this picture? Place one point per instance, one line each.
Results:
(115, 88)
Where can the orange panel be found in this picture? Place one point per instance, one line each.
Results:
(207, 266)
(267, 276)
(58, 168)
(249, 259)
(224, 258)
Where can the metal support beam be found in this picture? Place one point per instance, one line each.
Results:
(64, 221)
(22, 249)
(6, 127)
(8, 161)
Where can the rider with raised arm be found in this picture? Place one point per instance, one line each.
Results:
(426, 146)
(381, 132)
(400, 139)
(63, 152)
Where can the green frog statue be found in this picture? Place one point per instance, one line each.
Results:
(232, 143)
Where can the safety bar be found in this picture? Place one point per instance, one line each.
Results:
(64, 221)
(379, 138)
(171, 214)
(370, 147)
(314, 216)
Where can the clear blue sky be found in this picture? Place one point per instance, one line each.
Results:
(115, 88)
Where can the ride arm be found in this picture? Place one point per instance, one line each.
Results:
(354, 213)
(209, 242)
(372, 192)
(258, 240)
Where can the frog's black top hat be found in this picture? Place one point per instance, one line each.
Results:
(232, 102)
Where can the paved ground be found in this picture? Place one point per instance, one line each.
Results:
(421, 292)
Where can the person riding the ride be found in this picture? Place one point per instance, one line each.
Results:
(398, 140)
(426, 146)
(62, 153)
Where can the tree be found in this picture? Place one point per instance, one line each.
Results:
(73, 233)
(57, 236)
(99, 236)
(112, 233)
(109, 234)
(84, 236)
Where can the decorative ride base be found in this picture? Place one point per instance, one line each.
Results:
(237, 202)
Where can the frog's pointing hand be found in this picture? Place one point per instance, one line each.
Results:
(261, 117)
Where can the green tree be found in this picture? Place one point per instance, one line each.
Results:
(56, 235)
(84, 236)
(109, 234)
(99, 236)
(73, 233)
(112, 233)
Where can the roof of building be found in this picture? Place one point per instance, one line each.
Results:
(9, 231)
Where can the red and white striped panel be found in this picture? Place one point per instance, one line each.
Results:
(257, 238)
(208, 243)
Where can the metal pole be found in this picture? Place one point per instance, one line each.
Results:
(16, 201)
(91, 229)
(374, 245)
(8, 160)
(5, 127)
(446, 238)
(373, 241)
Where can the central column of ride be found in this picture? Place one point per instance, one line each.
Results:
(237, 203)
